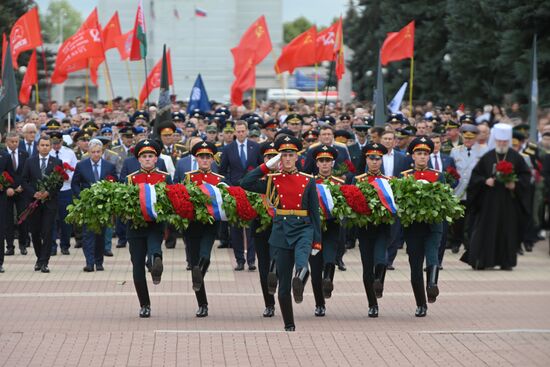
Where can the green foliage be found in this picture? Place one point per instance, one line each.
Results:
(380, 214)
(259, 205)
(422, 202)
(294, 28)
(60, 12)
(488, 46)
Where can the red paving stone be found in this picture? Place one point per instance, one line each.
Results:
(72, 318)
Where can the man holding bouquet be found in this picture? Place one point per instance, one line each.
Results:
(497, 194)
(43, 176)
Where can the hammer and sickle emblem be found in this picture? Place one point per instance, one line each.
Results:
(259, 31)
(308, 39)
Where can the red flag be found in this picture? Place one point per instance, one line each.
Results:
(326, 43)
(25, 34)
(340, 66)
(153, 79)
(299, 52)
(111, 32)
(398, 45)
(256, 41)
(78, 50)
(124, 45)
(245, 81)
(139, 40)
(30, 79)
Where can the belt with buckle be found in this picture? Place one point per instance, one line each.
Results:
(296, 212)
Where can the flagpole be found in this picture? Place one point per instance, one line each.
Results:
(326, 87)
(86, 84)
(46, 73)
(280, 77)
(146, 84)
(316, 89)
(109, 92)
(411, 88)
(9, 121)
(129, 78)
(37, 98)
(254, 98)
(110, 85)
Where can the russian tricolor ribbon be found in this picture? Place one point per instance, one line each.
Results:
(325, 200)
(385, 194)
(215, 206)
(147, 201)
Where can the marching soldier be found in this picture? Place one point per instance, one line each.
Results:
(266, 267)
(201, 236)
(423, 238)
(296, 226)
(146, 241)
(324, 264)
(374, 239)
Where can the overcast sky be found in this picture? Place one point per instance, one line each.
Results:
(320, 12)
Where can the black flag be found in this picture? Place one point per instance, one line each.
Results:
(8, 89)
(164, 105)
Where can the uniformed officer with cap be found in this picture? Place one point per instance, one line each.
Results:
(423, 239)
(294, 122)
(146, 241)
(53, 124)
(395, 120)
(269, 129)
(81, 138)
(266, 266)
(374, 239)
(166, 131)
(296, 226)
(327, 119)
(453, 136)
(201, 236)
(90, 126)
(323, 265)
(140, 116)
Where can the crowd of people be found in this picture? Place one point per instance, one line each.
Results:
(281, 151)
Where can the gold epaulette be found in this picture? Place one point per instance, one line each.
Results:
(216, 174)
(407, 172)
(159, 171)
(362, 176)
(273, 174)
(111, 151)
(130, 175)
(306, 174)
(340, 144)
(314, 144)
(338, 179)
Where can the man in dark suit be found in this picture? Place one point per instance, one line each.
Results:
(16, 199)
(29, 144)
(239, 157)
(440, 162)
(87, 172)
(5, 166)
(393, 163)
(41, 220)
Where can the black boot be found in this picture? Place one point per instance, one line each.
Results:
(431, 283)
(298, 283)
(156, 269)
(197, 274)
(373, 311)
(379, 276)
(285, 303)
(420, 297)
(202, 311)
(320, 310)
(269, 311)
(145, 311)
(328, 277)
(272, 278)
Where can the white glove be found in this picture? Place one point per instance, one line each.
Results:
(273, 163)
(314, 252)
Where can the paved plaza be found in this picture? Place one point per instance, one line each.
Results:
(72, 318)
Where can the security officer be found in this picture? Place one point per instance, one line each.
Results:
(82, 138)
(146, 241)
(201, 236)
(140, 117)
(166, 131)
(266, 266)
(453, 136)
(374, 239)
(423, 239)
(296, 226)
(322, 267)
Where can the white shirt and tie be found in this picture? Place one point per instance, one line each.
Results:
(242, 152)
(387, 161)
(437, 163)
(96, 169)
(14, 158)
(29, 147)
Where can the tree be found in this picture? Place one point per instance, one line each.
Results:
(294, 28)
(10, 11)
(60, 13)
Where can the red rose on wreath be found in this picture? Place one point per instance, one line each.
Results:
(355, 199)
(181, 201)
(349, 164)
(110, 178)
(244, 209)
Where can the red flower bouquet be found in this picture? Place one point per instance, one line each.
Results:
(355, 199)
(110, 178)
(451, 176)
(180, 200)
(6, 181)
(505, 172)
(244, 209)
